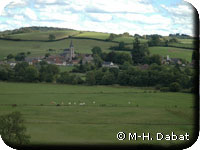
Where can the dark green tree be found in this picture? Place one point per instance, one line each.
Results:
(20, 71)
(108, 78)
(20, 57)
(90, 78)
(139, 52)
(175, 87)
(96, 50)
(52, 37)
(121, 45)
(10, 56)
(31, 74)
(97, 61)
(154, 41)
(12, 129)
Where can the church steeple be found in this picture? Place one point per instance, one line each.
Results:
(72, 55)
(71, 44)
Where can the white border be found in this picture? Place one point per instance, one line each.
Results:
(195, 146)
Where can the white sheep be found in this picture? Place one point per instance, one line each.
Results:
(69, 103)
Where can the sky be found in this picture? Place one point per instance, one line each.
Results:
(142, 17)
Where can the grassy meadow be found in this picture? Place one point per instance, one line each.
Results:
(43, 35)
(95, 35)
(40, 48)
(81, 46)
(115, 109)
(172, 52)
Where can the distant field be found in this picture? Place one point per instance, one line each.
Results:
(43, 35)
(66, 68)
(128, 40)
(95, 35)
(40, 48)
(99, 122)
(183, 45)
(172, 52)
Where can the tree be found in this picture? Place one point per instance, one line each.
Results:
(31, 74)
(52, 37)
(10, 56)
(121, 45)
(175, 87)
(6, 73)
(155, 59)
(139, 52)
(20, 57)
(97, 61)
(28, 53)
(20, 71)
(12, 129)
(47, 55)
(90, 78)
(108, 78)
(154, 41)
(112, 37)
(96, 50)
(48, 72)
(173, 40)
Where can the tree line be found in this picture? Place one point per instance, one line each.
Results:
(161, 76)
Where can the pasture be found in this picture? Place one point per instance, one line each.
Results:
(40, 48)
(116, 109)
(172, 52)
(95, 35)
(128, 40)
(43, 35)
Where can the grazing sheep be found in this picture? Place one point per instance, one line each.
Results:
(81, 104)
(129, 102)
(69, 103)
(74, 103)
(52, 102)
(94, 102)
(62, 103)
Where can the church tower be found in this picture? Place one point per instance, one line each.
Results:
(72, 55)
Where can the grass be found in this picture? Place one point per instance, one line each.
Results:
(128, 40)
(43, 36)
(100, 122)
(65, 68)
(172, 52)
(95, 35)
(40, 48)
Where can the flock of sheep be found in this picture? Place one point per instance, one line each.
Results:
(74, 103)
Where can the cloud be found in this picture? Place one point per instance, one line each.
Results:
(100, 16)
(117, 16)
(30, 14)
(3, 5)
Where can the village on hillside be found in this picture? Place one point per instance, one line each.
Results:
(70, 58)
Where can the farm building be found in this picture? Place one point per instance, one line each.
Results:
(109, 65)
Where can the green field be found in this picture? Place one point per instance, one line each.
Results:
(172, 52)
(95, 35)
(97, 123)
(128, 40)
(43, 35)
(40, 48)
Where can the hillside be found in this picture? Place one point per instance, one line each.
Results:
(36, 40)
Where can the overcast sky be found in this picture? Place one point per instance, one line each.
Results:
(113, 16)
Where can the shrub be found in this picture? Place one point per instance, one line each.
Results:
(158, 86)
(164, 89)
(175, 87)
